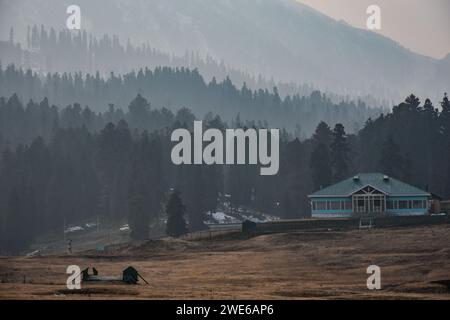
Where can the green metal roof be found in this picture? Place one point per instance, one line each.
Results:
(390, 186)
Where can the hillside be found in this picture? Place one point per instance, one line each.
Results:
(282, 39)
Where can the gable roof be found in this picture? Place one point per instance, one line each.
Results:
(391, 186)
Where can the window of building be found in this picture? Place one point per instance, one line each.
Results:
(320, 205)
(347, 205)
(361, 205)
(418, 204)
(335, 205)
(377, 205)
(403, 204)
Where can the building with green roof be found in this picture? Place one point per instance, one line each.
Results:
(369, 194)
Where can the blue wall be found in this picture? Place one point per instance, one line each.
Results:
(348, 213)
(410, 211)
(331, 213)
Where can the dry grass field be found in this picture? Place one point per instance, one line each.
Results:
(299, 265)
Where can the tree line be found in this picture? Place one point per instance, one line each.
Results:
(176, 88)
(67, 165)
(51, 51)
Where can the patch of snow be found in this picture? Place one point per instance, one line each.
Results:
(124, 228)
(268, 217)
(223, 218)
(74, 229)
(259, 217)
(90, 225)
(252, 218)
(34, 253)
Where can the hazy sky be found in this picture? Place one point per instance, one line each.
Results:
(420, 25)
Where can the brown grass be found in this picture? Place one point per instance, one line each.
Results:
(302, 265)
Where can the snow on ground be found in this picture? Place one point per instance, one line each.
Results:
(90, 225)
(268, 217)
(258, 217)
(222, 218)
(74, 229)
(252, 218)
(34, 253)
(124, 228)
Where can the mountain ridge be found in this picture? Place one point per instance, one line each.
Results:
(281, 39)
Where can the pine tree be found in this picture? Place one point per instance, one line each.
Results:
(444, 124)
(139, 113)
(413, 101)
(295, 176)
(320, 165)
(447, 178)
(445, 104)
(445, 118)
(286, 207)
(339, 153)
(175, 209)
(138, 219)
(213, 174)
(323, 134)
(391, 162)
(428, 139)
(20, 220)
(196, 197)
(114, 148)
(320, 160)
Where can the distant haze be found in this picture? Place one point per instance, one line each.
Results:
(284, 40)
(420, 25)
